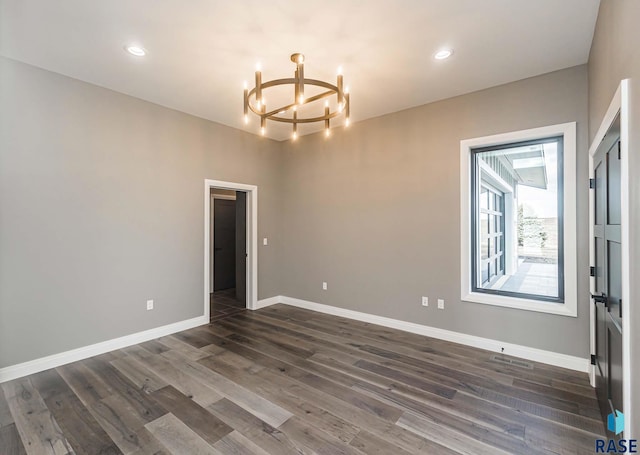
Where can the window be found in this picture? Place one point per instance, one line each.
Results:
(518, 213)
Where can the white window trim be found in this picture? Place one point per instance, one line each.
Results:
(570, 305)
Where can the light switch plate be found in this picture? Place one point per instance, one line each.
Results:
(149, 304)
(324, 286)
(265, 241)
(425, 301)
(440, 304)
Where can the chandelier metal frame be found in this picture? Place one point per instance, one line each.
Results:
(254, 100)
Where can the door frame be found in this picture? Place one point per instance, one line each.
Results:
(211, 227)
(252, 239)
(619, 104)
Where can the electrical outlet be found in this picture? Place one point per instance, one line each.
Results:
(425, 301)
(149, 304)
(324, 286)
(265, 242)
(440, 304)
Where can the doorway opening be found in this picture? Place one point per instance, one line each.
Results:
(228, 272)
(230, 248)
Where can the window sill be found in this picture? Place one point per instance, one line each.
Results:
(562, 309)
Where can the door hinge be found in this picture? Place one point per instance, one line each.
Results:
(593, 359)
(602, 298)
(592, 271)
(619, 147)
(592, 183)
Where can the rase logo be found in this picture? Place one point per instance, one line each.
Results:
(615, 424)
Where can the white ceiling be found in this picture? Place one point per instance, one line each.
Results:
(201, 51)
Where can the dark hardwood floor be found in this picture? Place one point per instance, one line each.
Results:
(223, 303)
(283, 380)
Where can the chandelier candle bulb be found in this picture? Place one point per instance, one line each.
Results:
(326, 115)
(347, 106)
(295, 125)
(300, 78)
(340, 91)
(258, 87)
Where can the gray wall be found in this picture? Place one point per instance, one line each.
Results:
(375, 212)
(615, 55)
(101, 208)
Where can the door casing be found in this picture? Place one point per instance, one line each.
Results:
(252, 240)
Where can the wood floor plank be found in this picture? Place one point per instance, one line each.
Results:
(6, 418)
(185, 348)
(124, 425)
(371, 444)
(10, 441)
(38, 429)
(80, 428)
(163, 368)
(445, 436)
(89, 386)
(178, 437)
(316, 440)
(205, 424)
(146, 380)
(254, 403)
(557, 394)
(196, 339)
(236, 444)
(140, 403)
(154, 347)
(266, 436)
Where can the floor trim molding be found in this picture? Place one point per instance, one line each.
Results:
(525, 352)
(44, 363)
(267, 302)
(538, 355)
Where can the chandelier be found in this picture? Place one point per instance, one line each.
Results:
(255, 101)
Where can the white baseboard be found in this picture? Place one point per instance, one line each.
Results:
(267, 302)
(538, 355)
(35, 366)
(525, 352)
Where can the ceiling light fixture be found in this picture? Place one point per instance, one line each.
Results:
(136, 50)
(443, 54)
(254, 100)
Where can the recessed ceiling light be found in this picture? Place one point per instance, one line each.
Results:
(136, 50)
(444, 53)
